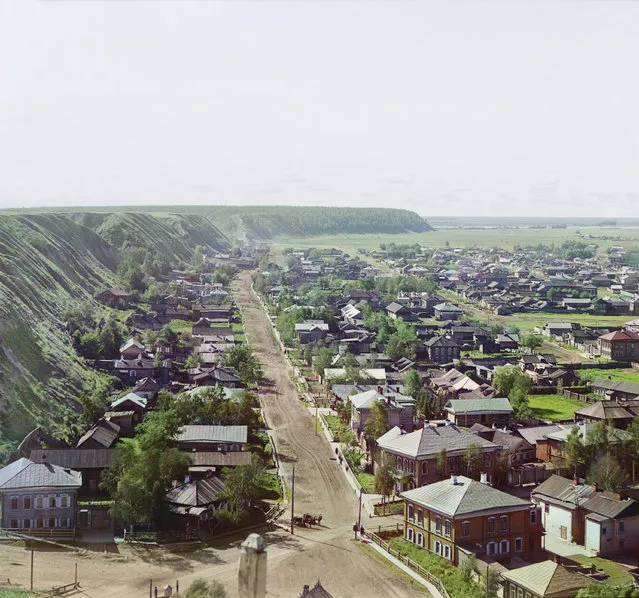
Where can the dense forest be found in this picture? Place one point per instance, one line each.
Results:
(52, 261)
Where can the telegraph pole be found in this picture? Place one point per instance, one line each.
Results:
(32, 566)
(293, 503)
(359, 513)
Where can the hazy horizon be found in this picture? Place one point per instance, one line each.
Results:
(471, 109)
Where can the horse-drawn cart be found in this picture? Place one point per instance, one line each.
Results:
(307, 520)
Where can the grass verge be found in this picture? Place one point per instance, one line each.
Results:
(554, 407)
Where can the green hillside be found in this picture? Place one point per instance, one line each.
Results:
(54, 259)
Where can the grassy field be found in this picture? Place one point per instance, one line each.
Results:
(507, 238)
(554, 407)
(627, 375)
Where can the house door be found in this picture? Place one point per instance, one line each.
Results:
(563, 532)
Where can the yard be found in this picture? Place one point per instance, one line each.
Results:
(554, 407)
(618, 575)
(627, 374)
(335, 424)
(451, 576)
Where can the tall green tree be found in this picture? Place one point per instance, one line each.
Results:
(242, 485)
(385, 480)
(377, 423)
(473, 460)
(573, 450)
(201, 589)
(245, 362)
(608, 474)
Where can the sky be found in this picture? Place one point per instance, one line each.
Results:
(468, 108)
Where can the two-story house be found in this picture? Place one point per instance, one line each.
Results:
(619, 346)
(603, 522)
(441, 349)
(415, 455)
(460, 514)
(400, 409)
(38, 496)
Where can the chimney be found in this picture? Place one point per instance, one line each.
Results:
(453, 479)
(483, 478)
(388, 400)
(252, 571)
(595, 486)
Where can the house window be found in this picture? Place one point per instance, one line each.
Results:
(420, 539)
(504, 547)
(64, 522)
(420, 517)
(503, 523)
(39, 522)
(622, 527)
(64, 501)
(519, 544)
(465, 529)
(533, 517)
(52, 501)
(491, 525)
(447, 552)
(563, 532)
(39, 502)
(425, 467)
(14, 524)
(438, 524)
(513, 592)
(51, 522)
(409, 534)
(438, 547)
(491, 548)
(447, 528)
(13, 503)
(520, 593)
(26, 523)
(411, 512)
(26, 503)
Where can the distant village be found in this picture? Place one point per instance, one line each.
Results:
(483, 396)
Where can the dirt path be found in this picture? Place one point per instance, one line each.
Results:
(327, 553)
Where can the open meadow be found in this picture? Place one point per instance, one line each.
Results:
(484, 237)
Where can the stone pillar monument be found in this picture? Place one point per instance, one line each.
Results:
(252, 573)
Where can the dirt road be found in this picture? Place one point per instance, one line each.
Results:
(328, 553)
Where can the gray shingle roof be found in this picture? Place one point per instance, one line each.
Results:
(546, 578)
(497, 405)
(464, 497)
(203, 433)
(198, 493)
(75, 458)
(24, 473)
(429, 441)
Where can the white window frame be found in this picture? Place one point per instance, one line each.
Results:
(533, 517)
(494, 525)
(447, 528)
(503, 523)
(11, 499)
(24, 499)
(55, 501)
(447, 551)
(438, 524)
(64, 498)
(465, 524)
(409, 534)
(491, 548)
(39, 501)
(503, 543)
(437, 548)
(521, 544)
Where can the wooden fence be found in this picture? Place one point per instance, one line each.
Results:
(417, 568)
(57, 533)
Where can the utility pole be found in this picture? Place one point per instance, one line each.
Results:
(32, 566)
(316, 416)
(359, 513)
(293, 503)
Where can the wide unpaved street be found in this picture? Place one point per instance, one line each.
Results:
(327, 553)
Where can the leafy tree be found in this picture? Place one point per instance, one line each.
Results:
(192, 361)
(200, 589)
(168, 336)
(473, 460)
(608, 590)
(145, 468)
(323, 360)
(442, 460)
(242, 485)
(607, 472)
(512, 329)
(130, 274)
(245, 362)
(532, 341)
(573, 449)
(508, 377)
(384, 480)
(377, 423)
(490, 583)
